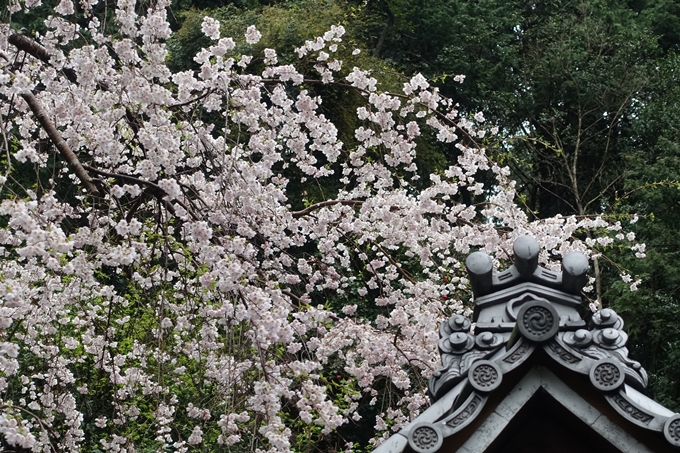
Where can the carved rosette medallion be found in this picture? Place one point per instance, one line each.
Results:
(607, 375)
(485, 375)
(671, 430)
(425, 438)
(538, 321)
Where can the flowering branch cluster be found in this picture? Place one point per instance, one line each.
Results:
(162, 290)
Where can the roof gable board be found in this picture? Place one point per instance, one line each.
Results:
(600, 431)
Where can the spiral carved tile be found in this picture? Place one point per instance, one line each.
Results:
(671, 430)
(425, 438)
(607, 375)
(538, 321)
(485, 376)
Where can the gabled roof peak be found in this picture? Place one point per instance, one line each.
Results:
(530, 315)
(529, 304)
(527, 321)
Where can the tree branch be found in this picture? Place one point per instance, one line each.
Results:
(154, 189)
(383, 35)
(61, 145)
(34, 49)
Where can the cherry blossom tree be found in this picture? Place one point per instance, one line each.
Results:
(160, 290)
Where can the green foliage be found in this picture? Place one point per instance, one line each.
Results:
(559, 80)
(664, 18)
(652, 187)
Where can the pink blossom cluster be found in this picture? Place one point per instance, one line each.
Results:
(185, 299)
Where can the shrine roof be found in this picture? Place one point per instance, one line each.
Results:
(532, 336)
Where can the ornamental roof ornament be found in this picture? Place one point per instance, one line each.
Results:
(527, 306)
(530, 315)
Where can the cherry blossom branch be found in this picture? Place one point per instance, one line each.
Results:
(155, 189)
(31, 47)
(393, 262)
(42, 424)
(363, 91)
(22, 42)
(61, 145)
(396, 345)
(323, 204)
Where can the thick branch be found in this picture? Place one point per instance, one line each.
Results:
(61, 145)
(22, 42)
(31, 47)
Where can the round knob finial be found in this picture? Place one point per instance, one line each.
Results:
(526, 255)
(609, 336)
(458, 340)
(480, 269)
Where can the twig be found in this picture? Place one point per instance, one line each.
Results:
(314, 207)
(174, 107)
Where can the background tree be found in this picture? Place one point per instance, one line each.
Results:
(651, 187)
